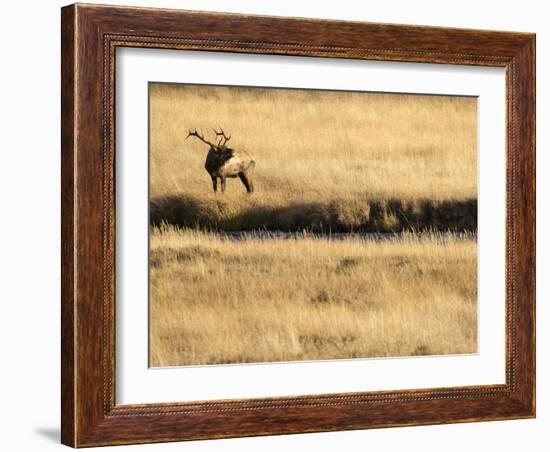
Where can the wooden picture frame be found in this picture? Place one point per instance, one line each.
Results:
(90, 35)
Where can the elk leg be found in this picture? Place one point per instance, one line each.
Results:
(215, 184)
(246, 182)
(223, 184)
(248, 173)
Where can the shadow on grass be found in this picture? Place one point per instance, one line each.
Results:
(368, 215)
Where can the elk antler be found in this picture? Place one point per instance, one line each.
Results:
(223, 138)
(194, 133)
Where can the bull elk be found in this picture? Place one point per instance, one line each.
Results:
(223, 162)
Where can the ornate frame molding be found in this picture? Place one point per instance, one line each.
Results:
(90, 37)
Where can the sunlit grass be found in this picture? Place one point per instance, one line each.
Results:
(317, 145)
(216, 300)
(325, 162)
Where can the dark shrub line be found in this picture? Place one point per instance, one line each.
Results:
(392, 215)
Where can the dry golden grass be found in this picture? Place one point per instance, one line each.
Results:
(325, 161)
(317, 145)
(217, 300)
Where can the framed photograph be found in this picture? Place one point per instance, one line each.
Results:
(280, 225)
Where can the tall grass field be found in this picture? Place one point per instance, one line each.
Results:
(359, 240)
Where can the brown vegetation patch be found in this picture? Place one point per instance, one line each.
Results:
(213, 213)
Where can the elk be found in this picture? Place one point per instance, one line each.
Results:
(223, 162)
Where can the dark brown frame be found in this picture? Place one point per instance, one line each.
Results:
(90, 34)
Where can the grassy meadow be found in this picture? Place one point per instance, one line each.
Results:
(326, 162)
(216, 300)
